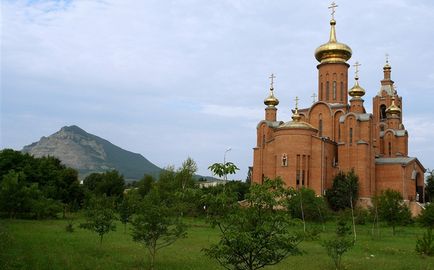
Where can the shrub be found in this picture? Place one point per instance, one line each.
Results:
(425, 245)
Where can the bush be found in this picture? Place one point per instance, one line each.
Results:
(426, 218)
(425, 245)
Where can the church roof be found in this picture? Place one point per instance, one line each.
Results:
(271, 124)
(398, 160)
(398, 133)
(388, 89)
(359, 116)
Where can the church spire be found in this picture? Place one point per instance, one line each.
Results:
(333, 51)
(333, 67)
(296, 117)
(357, 91)
(271, 101)
(387, 70)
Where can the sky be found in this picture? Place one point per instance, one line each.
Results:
(187, 78)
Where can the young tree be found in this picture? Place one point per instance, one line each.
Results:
(185, 174)
(222, 170)
(100, 216)
(344, 194)
(426, 218)
(391, 208)
(126, 208)
(156, 225)
(344, 191)
(257, 235)
(339, 244)
(145, 184)
(425, 245)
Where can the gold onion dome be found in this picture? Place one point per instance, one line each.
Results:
(296, 122)
(393, 109)
(271, 100)
(357, 91)
(333, 51)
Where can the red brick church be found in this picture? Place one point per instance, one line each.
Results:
(333, 135)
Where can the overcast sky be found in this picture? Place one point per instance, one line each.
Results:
(172, 79)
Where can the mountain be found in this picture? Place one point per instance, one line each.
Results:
(89, 153)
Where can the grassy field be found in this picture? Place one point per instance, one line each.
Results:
(26, 244)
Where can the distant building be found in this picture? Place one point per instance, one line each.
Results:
(333, 135)
(212, 183)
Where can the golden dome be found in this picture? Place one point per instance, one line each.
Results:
(271, 100)
(333, 51)
(296, 123)
(357, 91)
(393, 109)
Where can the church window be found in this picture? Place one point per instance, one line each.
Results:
(351, 135)
(390, 148)
(307, 170)
(263, 141)
(303, 172)
(334, 90)
(297, 175)
(320, 92)
(342, 91)
(327, 90)
(381, 128)
(284, 160)
(320, 127)
(339, 133)
(382, 112)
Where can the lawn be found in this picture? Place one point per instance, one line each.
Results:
(29, 244)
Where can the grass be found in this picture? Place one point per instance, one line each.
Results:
(29, 244)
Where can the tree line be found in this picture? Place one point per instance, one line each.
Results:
(255, 221)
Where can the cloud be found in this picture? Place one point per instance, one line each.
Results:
(175, 78)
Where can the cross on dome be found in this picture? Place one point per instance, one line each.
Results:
(272, 77)
(313, 97)
(357, 65)
(333, 6)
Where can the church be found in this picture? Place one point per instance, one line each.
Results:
(337, 134)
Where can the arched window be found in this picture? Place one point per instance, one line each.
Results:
(390, 148)
(320, 126)
(284, 160)
(327, 90)
(382, 112)
(321, 92)
(351, 135)
(342, 91)
(334, 90)
(263, 141)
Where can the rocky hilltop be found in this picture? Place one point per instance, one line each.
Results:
(89, 153)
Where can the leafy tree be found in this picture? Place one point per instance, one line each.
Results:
(344, 191)
(126, 209)
(426, 218)
(305, 203)
(156, 225)
(257, 235)
(339, 244)
(425, 245)
(429, 188)
(145, 185)
(391, 208)
(100, 216)
(13, 195)
(110, 184)
(42, 184)
(222, 170)
(344, 194)
(185, 174)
